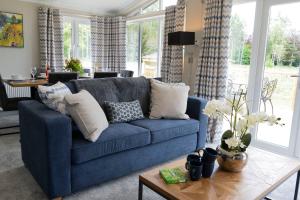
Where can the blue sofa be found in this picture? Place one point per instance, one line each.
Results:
(63, 162)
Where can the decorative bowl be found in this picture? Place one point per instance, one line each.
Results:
(232, 162)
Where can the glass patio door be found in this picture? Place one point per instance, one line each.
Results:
(144, 42)
(274, 86)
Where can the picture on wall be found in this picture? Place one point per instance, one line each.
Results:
(11, 30)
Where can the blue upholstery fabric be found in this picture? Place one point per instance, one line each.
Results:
(116, 165)
(166, 129)
(118, 90)
(71, 86)
(46, 140)
(117, 137)
(195, 108)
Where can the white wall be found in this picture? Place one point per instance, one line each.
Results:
(21, 60)
(194, 23)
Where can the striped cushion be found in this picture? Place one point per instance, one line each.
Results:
(53, 96)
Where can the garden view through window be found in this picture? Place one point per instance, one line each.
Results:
(144, 41)
(282, 60)
(240, 46)
(77, 40)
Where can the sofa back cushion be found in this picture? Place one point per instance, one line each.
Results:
(117, 90)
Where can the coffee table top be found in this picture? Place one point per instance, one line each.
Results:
(262, 174)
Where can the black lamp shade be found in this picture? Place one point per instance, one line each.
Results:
(181, 38)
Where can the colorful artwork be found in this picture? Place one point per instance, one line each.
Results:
(11, 30)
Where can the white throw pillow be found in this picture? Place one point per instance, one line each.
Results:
(87, 114)
(53, 96)
(168, 100)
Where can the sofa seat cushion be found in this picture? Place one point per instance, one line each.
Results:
(166, 129)
(116, 138)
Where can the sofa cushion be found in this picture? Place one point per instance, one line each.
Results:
(53, 96)
(123, 111)
(168, 100)
(87, 114)
(116, 138)
(166, 129)
(118, 90)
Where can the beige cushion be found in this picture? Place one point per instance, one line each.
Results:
(168, 100)
(87, 114)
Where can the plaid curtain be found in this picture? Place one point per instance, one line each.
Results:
(172, 57)
(212, 68)
(51, 38)
(108, 41)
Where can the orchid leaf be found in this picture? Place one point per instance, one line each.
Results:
(226, 135)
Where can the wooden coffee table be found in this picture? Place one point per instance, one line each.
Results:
(264, 172)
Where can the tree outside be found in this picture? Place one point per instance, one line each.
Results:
(67, 40)
(283, 46)
(149, 47)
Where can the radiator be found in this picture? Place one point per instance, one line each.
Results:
(17, 91)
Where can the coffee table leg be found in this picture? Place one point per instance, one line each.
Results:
(297, 186)
(140, 190)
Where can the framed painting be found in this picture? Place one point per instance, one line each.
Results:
(11, 30)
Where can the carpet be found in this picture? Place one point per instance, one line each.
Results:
(16, 183)
(9, 119)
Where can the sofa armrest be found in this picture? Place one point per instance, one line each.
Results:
(195, 108)
(46, 141)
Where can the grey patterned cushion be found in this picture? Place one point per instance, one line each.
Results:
(53, 96)
(123, 111)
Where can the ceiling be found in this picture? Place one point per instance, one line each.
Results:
(94, 6)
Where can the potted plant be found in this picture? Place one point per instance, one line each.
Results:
(74, 65)
(234, 142)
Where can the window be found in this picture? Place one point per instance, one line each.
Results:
(240, 46)
(166, 3)
(151, 8)
(77, 40)
(133, 50)
(154, 7)
(144, 39)
(144, 44)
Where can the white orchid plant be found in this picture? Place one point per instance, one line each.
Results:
(235, 111)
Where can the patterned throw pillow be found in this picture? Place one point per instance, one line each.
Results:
(123, 111)
(54, 96)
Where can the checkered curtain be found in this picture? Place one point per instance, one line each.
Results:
(108, 41)
(51, 38)
(172, 57)
(212, 68)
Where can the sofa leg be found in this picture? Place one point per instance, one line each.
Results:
(58, 198)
